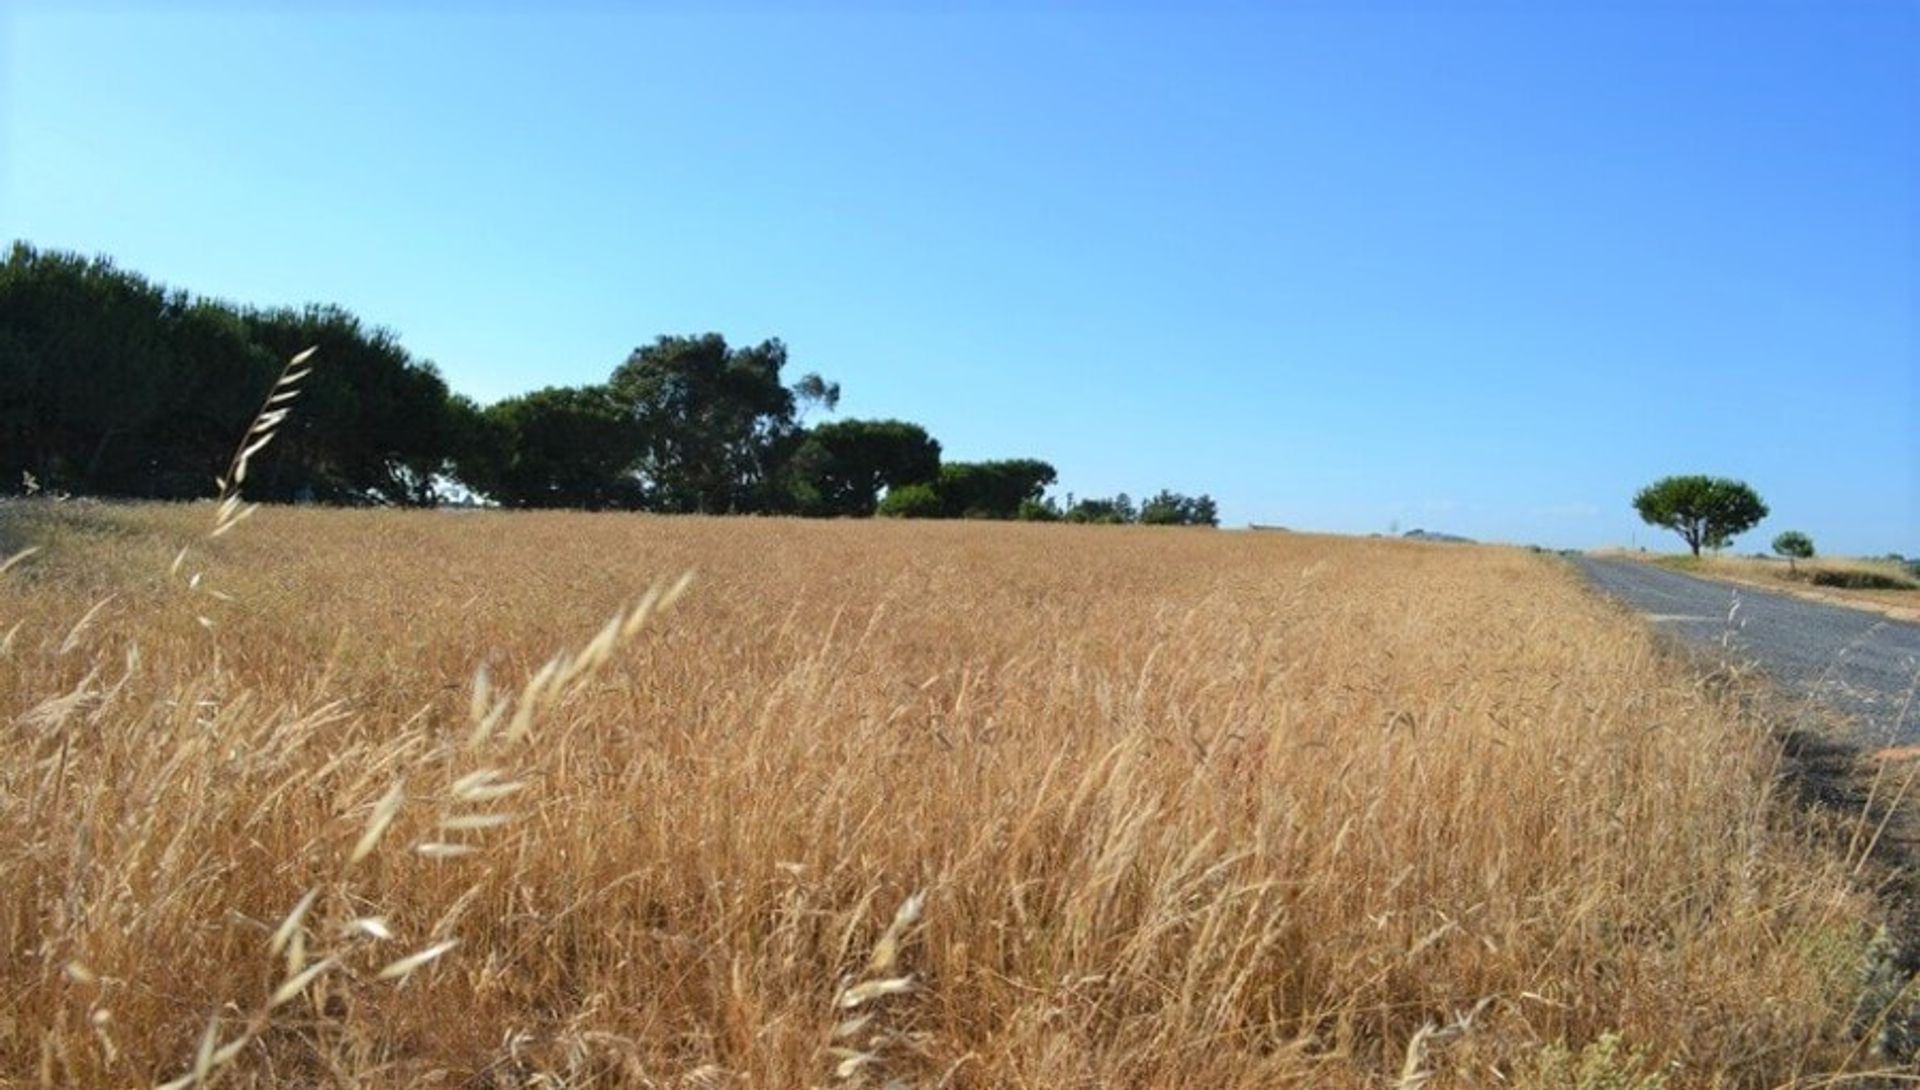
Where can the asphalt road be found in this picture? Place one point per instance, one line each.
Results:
(1860, 663)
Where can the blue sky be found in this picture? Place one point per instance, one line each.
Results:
(1480, 267)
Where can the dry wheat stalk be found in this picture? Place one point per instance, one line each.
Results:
(479, 787)
(260, 432)
(860, 1043)
(1172, 843)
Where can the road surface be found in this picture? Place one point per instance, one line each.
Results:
(1860, 663)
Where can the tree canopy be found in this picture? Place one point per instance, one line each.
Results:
(564, 446)
(711, 420)
(841, 468)
(1704, 511)
(992, 490)
(1793, 545)
(113, 385)
(1166, 508)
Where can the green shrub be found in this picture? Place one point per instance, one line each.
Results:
(1855, 579)
(1038, 511)
(1793, 545)
(912, 501)
(1603, 1064)
(1167, 508)
(1117, 511)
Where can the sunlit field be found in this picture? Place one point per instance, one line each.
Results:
(949, 804)
(1821, 579)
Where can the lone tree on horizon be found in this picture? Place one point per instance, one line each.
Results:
(1703, 510)
(1793, 545)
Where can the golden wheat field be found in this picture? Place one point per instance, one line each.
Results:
(874, 803)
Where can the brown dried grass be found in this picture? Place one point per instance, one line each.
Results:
(1185, 808)
(1797, 579)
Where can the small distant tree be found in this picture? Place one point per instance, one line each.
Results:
(1163, 509)
(1169, 508)
(1204, 511)
(1793, 545)
(1044, 510)
(1117, 511)
(1703, 510)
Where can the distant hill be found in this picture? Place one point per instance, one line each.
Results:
(1430, 535)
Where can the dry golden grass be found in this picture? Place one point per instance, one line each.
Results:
(1796, 579)
(951, 804)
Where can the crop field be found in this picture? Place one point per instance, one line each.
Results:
(874, 803)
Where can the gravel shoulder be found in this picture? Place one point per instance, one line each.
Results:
(1860, 664)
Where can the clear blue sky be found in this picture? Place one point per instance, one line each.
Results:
(1482, 267)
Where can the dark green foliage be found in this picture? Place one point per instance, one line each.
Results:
(1793, 545)
(841, 468)
(231, 372)
(716, 421)
(1117, 511)
(1854, 579)
(372, 425)
(112, 385)
(1703, 510)
(1167, 508)
(557, 447)
(813, 391)
(992, 490)
(1043, 510)
(88, 376)
(912, 501)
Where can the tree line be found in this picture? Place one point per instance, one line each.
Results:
(113, 385)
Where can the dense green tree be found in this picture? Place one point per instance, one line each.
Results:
(84, 370)
(1116, 511)
(841, 468)
(1793, 545)
(373, 426)
(557, 447)
(206, 404)
(1704, 511)
(912, 501)
(1041, 510)
(110, 385)
(1167, 508)
(1203, 512)
(716, 420)
(993, 490)
(113, 385)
